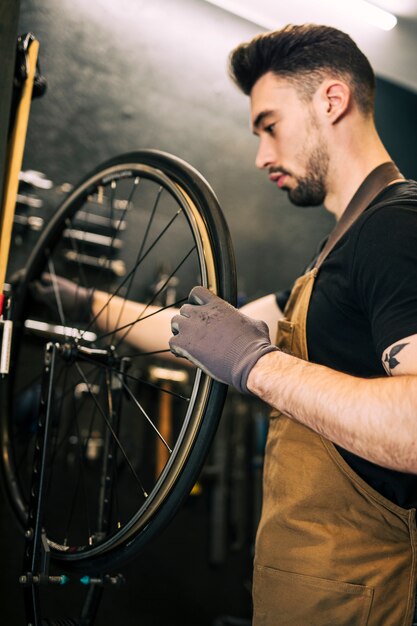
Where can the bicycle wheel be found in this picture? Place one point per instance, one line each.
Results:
(130, 428)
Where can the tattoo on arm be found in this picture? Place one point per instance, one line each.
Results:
(390, 361)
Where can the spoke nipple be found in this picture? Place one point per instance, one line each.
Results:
(29, 533)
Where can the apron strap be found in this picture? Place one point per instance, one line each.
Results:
(373, 184)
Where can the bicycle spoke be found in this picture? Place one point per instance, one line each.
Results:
(143, 381)
(56, 291)
(133, 189)
(140, 252)
(64, 437)
(142, 410)
(81, 478)
(74, 244)
(133, 355)
(157, 293)
(23, 460)
(109, 426)
(145, 317)
(126, 278)
(65, 373)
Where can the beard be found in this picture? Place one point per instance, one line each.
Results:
(311, 188)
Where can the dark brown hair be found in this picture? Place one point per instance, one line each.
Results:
(305, 54)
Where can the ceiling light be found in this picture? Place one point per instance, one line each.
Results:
(373, 14)
(269, 15)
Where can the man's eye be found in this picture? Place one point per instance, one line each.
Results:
(270, 128)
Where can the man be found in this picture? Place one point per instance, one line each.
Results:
(336, 541)
(336, 544)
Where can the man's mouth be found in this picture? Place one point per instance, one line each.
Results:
(278, 178)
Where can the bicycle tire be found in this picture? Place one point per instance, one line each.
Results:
(181, 186)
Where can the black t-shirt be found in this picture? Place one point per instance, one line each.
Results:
(364, 299)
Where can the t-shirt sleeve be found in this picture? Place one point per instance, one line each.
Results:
(384, 273)
(281, 298)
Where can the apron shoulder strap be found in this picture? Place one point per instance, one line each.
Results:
(373, 184)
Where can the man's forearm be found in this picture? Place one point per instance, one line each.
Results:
(375, 419)
(145, 327)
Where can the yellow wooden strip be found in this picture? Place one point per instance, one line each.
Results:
(14, 162)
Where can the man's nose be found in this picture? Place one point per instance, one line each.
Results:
(265, 156)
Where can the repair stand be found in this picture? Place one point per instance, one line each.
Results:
(37, 554)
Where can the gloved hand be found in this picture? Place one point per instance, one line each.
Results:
(219, 339)
(76, 301)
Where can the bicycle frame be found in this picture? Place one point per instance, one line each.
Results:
(13, 166)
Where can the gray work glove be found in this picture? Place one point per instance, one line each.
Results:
(219, 339)
(75, 300)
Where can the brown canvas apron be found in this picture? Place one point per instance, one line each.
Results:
(330, 550)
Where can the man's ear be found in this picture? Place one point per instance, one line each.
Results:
(334, 99)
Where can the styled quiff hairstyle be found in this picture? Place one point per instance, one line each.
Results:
(305, 55)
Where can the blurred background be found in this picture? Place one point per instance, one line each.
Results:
(134, 74)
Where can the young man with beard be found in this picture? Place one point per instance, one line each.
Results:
(337, 538)
(336, 544)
